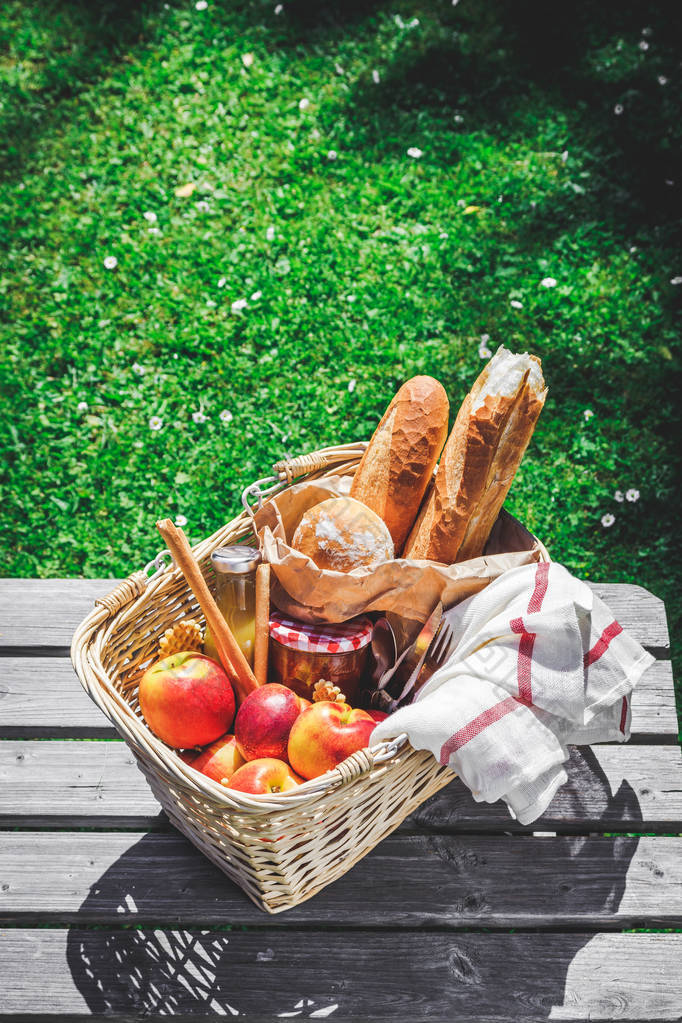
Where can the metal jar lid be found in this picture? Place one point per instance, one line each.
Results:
(236, 560)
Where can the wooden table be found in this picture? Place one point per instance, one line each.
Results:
(459, 915)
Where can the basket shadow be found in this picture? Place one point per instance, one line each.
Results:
(363, 944)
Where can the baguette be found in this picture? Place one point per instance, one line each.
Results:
(484, 450)
(398, 464)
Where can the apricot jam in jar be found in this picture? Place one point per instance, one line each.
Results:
(301, 654)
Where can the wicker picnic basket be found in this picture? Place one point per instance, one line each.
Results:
(280, 849)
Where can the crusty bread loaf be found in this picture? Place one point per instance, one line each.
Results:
(395, 470)
(342, 534)
(490, 435)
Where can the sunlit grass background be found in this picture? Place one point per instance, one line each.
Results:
(210, 208)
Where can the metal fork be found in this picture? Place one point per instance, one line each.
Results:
(438, 652)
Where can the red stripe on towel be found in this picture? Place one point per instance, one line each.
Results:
(475, 727)
(527, 641)
(541, 581)
(624, 714)
(602, 644)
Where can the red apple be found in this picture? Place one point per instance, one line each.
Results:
(326, 734)
(378, 715)
(264, 721)
(187, 699)
(264, 776)
(219, 760)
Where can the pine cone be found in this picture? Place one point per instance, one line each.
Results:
(185, 635)
(325, 691)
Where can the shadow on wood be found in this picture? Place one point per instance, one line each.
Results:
(343, 959)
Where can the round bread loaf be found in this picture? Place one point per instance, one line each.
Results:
(342, 534)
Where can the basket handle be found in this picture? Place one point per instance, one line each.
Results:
(124, 593)
(289, 468)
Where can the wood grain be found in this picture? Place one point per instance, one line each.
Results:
(41, 614)
(42, 697)
(402, 976)
(415, 881)
(81, 784)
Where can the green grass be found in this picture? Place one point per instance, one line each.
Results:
(381, 265)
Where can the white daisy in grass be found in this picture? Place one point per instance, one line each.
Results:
(278, 9)
(247, 59)
(226, 416)
(588, 414)
(82, 406)
(222, 282)
(150, 216)
(270, 234)
(676, 280)
(643, 44)
(110, 262)
(238, 305)
(608, 520)
(199, 417)
(137, 368)
(376, 77)
(256, 295)
(515, 304)
(548, 282)
(203, 206)
(351, 386)
(632, 494)
(201, 5)
(180, 521)
(619, 496)
(483, 350)
(415, 152)
(304, 103)
(662, 80)
(618, 109)
(155, 423)
(332, 154)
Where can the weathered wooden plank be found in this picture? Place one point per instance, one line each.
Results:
(71, 783)
(43, 613)
(415, 881)
(41, 696)
(407, 975)
(638, 611)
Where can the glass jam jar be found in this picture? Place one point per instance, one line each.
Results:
(302, 654)
(235, 571)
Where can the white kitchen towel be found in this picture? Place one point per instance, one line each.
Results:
(540, 662)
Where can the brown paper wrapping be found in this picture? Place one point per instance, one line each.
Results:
(409, 589)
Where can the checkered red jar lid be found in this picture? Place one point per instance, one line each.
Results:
(322, 638)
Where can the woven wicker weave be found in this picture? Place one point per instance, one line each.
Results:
(281, 849)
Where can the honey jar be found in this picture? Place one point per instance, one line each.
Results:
(235, 572)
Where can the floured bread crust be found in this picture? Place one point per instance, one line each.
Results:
(341, 534)
(398, 464)
(490, 435)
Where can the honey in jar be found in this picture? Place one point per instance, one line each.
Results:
(235, 571)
